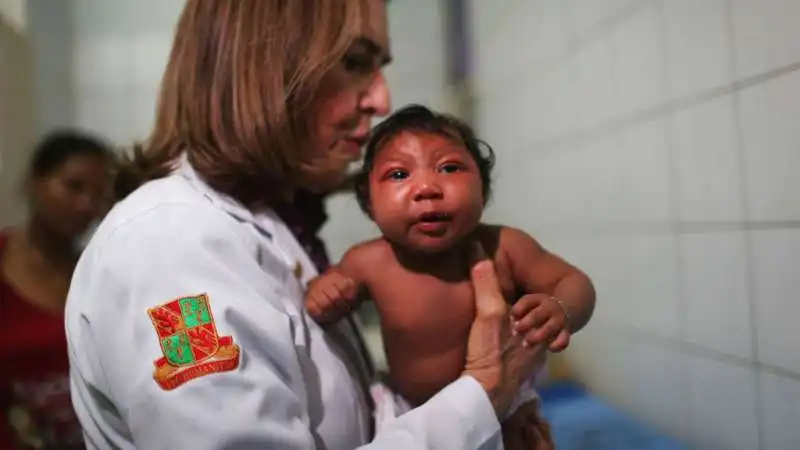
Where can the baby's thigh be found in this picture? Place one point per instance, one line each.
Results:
(534, 435)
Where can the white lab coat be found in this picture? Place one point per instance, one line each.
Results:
(292, 389)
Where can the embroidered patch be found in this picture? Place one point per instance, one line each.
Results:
(190, 343)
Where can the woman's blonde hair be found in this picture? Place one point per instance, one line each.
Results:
(238, 92)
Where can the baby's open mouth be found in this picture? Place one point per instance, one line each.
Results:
(434, 217)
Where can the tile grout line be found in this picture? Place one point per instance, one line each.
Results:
(578, 138)
(689, 348)
(639, 228)
(684, 390)
(747, 236)
(571, 47)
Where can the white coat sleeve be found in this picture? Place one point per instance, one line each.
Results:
(459, 417)
(255, 402)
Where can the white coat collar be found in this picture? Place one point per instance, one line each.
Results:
(264, 221)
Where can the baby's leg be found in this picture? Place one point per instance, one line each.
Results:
(533, 434)
(525, 428)
(526, 396)
(388, 405)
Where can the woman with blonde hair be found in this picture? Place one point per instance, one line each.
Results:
(185, 317)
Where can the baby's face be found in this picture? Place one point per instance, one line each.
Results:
(425, 191)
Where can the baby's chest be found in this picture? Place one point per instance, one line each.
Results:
(418, 304)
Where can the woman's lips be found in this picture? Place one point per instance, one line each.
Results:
(353, 146)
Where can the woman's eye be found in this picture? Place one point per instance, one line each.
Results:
(450, 168)
(397, 175)
(74, 185)
(359, 63)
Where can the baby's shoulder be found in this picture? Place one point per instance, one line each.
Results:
(374, 248)
(496, 239)
(366, 256)
(505, 244)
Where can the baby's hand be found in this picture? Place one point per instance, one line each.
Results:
(330, 296)
(541, 318)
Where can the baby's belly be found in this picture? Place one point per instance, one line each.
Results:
(417, 372)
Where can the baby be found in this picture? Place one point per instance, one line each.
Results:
(425, 182)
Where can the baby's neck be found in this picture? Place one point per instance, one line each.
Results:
(451, 264)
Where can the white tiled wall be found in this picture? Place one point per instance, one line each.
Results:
(120, 51)
(17, 122)
(13, 13)
(655, 143)
(99, 63)
(51, 33)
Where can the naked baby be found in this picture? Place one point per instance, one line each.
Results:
(425, 182)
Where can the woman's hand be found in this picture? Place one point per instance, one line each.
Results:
(495, 358)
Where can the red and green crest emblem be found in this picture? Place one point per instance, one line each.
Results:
(190, 343)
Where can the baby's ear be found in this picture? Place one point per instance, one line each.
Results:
(361, 188)
(368, 212)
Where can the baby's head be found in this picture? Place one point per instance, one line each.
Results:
(425, 179)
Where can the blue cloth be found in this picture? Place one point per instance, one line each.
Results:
(581, 421)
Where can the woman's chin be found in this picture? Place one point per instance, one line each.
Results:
(324, 183)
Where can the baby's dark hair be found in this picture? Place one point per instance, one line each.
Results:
(60, 146)
(422, 119)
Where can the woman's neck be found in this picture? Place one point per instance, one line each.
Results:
(53, 249)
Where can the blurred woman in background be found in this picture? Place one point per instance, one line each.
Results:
(68, 186)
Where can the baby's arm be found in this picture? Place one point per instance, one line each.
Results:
(561, 297)
(340, 289)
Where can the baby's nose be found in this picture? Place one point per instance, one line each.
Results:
(427, 190)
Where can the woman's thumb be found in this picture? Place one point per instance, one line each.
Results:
(489, 300)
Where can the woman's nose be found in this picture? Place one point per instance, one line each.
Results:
(86, 205)
(377, 101)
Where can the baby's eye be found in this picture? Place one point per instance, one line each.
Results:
(450, 168)
(397, 174)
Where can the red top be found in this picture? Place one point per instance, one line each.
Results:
(35, 408)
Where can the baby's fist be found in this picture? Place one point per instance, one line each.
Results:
(542, 318)
(330, 296)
